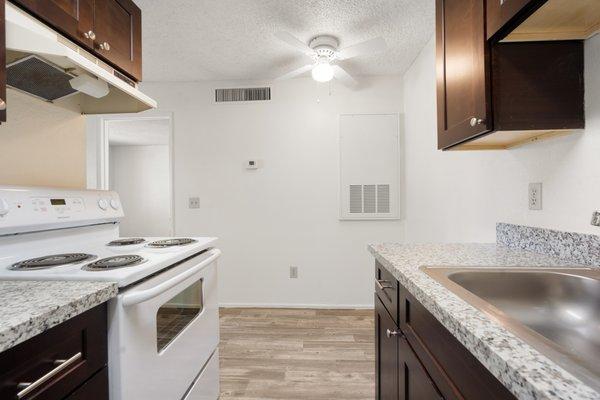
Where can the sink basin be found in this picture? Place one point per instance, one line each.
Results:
(557, 311)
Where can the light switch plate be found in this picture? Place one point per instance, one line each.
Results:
(194, 202)
(293, 272)
(535, 196)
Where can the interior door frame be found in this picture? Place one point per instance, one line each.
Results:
(103, 154)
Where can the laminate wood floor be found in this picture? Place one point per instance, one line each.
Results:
(297, 354)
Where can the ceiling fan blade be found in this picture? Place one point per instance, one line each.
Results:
(344, 77)
(372, 46)
(293, 41)
(296, 72)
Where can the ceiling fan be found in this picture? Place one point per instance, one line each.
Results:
(324, 52)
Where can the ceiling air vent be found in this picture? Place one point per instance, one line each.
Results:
(242, 94)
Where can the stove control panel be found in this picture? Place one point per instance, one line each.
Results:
(25, 209)
(103, 204)
(4, 207)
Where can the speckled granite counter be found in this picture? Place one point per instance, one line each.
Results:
(522, 369)
(28, 308)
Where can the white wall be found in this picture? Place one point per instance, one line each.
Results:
(141, 176)
(459, 196)
(285, 213)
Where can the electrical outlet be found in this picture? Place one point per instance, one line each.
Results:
(596, 218)
(293, 272)
(535, 196)
(194, 202)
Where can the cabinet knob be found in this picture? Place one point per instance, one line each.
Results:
(390, 333)
(476, 121)
(105, 46)
(90, 35)
(2, 105)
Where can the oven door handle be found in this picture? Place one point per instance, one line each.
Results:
(130, 299)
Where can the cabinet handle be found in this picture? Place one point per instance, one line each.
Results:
(61, 365)
(382, 285)
(2, 105)
(90, 35)
(476, 121)
(104, 46)
(390, 333)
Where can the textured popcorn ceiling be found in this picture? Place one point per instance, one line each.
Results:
(191, 40)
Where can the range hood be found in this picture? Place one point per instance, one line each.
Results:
(44, 64)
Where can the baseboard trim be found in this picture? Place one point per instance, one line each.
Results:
(285, 305)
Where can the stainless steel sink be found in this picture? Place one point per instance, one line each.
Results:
(557, 311)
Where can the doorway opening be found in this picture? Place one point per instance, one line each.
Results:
(135, 160)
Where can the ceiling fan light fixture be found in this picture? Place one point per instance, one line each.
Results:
(322, 71)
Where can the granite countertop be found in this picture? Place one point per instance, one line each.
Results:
(523, 370)
(28, 308)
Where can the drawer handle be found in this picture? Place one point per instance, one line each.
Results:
(390, 333)
(2, 105)
(61, 365)
(383, 285)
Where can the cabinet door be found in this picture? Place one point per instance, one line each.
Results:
(386, 354)
(463, 90)
(74, 18)
(118, 27)
(413, 380)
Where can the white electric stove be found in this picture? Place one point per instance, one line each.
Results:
(163, 325)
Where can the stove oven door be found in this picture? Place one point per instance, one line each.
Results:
(163, 331)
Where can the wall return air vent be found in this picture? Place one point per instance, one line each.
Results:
(242, 94)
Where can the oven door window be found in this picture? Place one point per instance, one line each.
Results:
(177, 313)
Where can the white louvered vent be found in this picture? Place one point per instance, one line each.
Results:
(369, 199)
(242, 94)
(383, 199)
(356, 206)
(369, 166)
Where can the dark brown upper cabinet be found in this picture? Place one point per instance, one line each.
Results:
(541, 20)
(119, 34)
(2, 64)
(73, 18)
(463, 89)
(510, 72)
(501, 12)
(109, 29)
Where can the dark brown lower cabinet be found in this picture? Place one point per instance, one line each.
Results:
(94, 389)
(67, 362)
(400, 374)
(386, 350)
(419, 359)
(413, 380)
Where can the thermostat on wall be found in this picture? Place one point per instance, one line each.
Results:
(251, 164)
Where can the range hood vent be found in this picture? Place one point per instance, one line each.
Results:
(242, 94)
(44, 64)
(39, 78)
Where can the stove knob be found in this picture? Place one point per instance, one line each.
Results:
(102, 204)
(4, 208)
(114, 204)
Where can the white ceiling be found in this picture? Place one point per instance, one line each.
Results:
(192, 40)
(139, 132)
